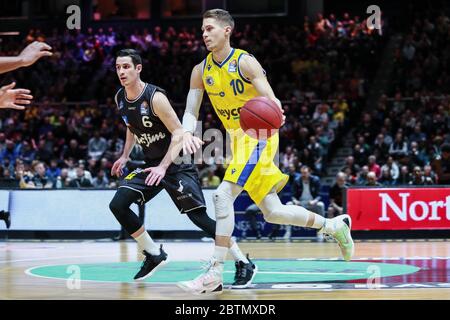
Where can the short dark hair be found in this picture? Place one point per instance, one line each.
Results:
(133, 54)
(221, 15)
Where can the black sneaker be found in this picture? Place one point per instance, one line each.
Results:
(245, 272)
(150, 264)
(6, 216)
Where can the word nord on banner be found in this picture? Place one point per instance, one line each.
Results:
(415, 210)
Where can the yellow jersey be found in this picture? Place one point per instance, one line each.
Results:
(227, 88)
(252, 165)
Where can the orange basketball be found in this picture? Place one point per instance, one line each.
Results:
(260, 118)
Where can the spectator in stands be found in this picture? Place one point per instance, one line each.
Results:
(380, 147)
(399, 148)
(392, 167)
(100, 180)
(373, 166)
(386, 178)
(80, 181)
(97, 146)
(63, 180)
(37, 179)
(441, 165)
(336, 195)
(418, 178)
(74, 151)
(211, 180)
(429, 174)
(404, 177)
(306, 192)
(316, 151)
(27, 153)
(372, 180)
(9, 153)
(53, 171)
(362, 176)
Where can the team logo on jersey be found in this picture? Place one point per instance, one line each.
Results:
(232, 67)
(145, 110)
(180, 189)
(222, 94)
(209, 80)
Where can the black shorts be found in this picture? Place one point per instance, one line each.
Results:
(181, 183)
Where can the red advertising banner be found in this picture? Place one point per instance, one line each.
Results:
(399, 208)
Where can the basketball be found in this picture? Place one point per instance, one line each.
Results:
(260, 118)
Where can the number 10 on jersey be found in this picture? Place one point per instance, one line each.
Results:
(238, 86)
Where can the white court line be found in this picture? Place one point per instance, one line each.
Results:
(58, 258)
(310, 273)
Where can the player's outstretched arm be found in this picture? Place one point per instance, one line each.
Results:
(253, 71)
(193, 103)
(165, 112)
(27, 57)
(14, 98)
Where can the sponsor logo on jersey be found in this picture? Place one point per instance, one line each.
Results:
(232, 67)
(147, 139)
(145, 110)
(220, 94)
(209, 81)
(228, 113)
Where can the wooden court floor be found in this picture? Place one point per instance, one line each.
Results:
(20, 260)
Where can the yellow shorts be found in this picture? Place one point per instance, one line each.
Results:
(252, 166)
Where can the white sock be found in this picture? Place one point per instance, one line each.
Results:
(237, 253)
(220, 253)
(146, 243)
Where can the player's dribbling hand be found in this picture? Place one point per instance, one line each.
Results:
(155, 176)
(191, 143)
(33, 52)
(117, 168)
(13, 98)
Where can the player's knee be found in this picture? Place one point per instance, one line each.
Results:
(221, 204)
(271, 214)
(117, 206)
(275, 217)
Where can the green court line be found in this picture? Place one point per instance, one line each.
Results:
(270, 271)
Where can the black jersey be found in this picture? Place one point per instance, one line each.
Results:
(148, 130)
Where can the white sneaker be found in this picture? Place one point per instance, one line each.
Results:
(210, 282)
(340, 230)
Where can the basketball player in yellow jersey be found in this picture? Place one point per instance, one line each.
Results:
(231, 77)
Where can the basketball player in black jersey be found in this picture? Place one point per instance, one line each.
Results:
(154, 125)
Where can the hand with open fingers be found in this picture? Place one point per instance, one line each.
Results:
(156, 174)
(33, 52)
(191, 143)
(117, 168)
(14, 98)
